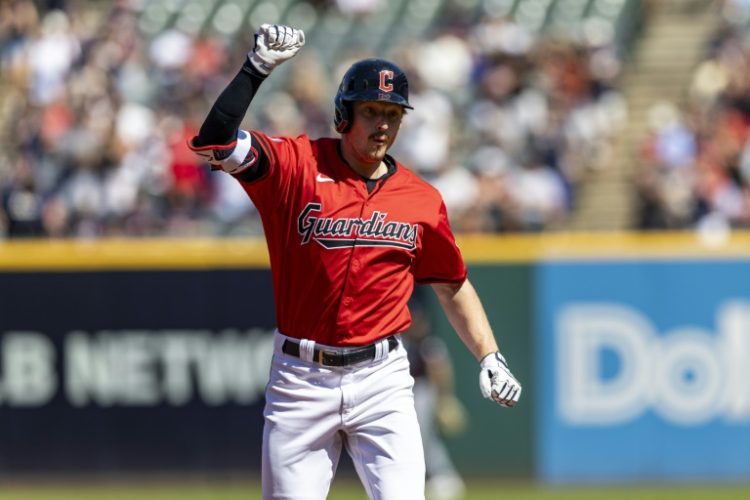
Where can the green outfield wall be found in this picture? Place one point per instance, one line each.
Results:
(497, 441)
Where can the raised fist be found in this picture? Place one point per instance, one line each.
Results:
(274, 44)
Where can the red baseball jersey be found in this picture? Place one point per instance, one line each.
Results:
(344, 261)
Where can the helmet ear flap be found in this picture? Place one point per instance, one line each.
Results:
(341, 118)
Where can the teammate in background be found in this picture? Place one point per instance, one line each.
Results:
(349, 231)
(439, 412)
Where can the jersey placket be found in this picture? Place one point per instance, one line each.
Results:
(355, 264)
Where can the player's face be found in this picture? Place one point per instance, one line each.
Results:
(374, 129)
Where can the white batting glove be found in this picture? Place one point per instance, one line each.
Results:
(274, 44)
(497, 382)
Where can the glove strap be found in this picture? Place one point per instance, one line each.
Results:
(493, 359)
(249, 68)
(259, 65)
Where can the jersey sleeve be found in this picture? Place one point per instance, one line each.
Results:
(284, 158)
(439, 260)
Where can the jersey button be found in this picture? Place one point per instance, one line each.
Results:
(348, 301)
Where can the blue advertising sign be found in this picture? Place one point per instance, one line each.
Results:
(643, 371)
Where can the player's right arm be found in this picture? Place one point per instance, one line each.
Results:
(220, 141)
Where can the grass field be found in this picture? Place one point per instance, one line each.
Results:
(353, 491)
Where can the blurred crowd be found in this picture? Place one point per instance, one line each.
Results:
(507, 122)
(695, 159)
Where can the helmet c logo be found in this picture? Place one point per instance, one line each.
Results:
(386, 79)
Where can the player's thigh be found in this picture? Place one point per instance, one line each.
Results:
(292, 471)
(385, 442)
(389, 457)
(301, 441)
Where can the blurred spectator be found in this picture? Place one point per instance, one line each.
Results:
(358, 7)
(736, 11)
(21, 205)
(695, 161)
(50, 57)
(98, 97)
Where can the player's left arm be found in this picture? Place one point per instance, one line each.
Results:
(466, 314)
(220, 141)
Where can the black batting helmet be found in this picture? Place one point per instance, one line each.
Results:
(369, 80)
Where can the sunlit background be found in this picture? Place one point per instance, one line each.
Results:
(594, 156)
(529, 115)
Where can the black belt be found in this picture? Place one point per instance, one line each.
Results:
(329, 357)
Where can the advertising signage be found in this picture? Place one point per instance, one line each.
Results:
(643, 370)
(136, 370)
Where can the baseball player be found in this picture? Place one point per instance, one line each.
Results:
(349, 231)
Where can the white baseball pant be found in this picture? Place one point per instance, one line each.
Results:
(312, 411)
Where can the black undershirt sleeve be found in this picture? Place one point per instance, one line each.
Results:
(221, 125)
(223, 121)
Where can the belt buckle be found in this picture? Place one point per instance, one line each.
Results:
(321, 353)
